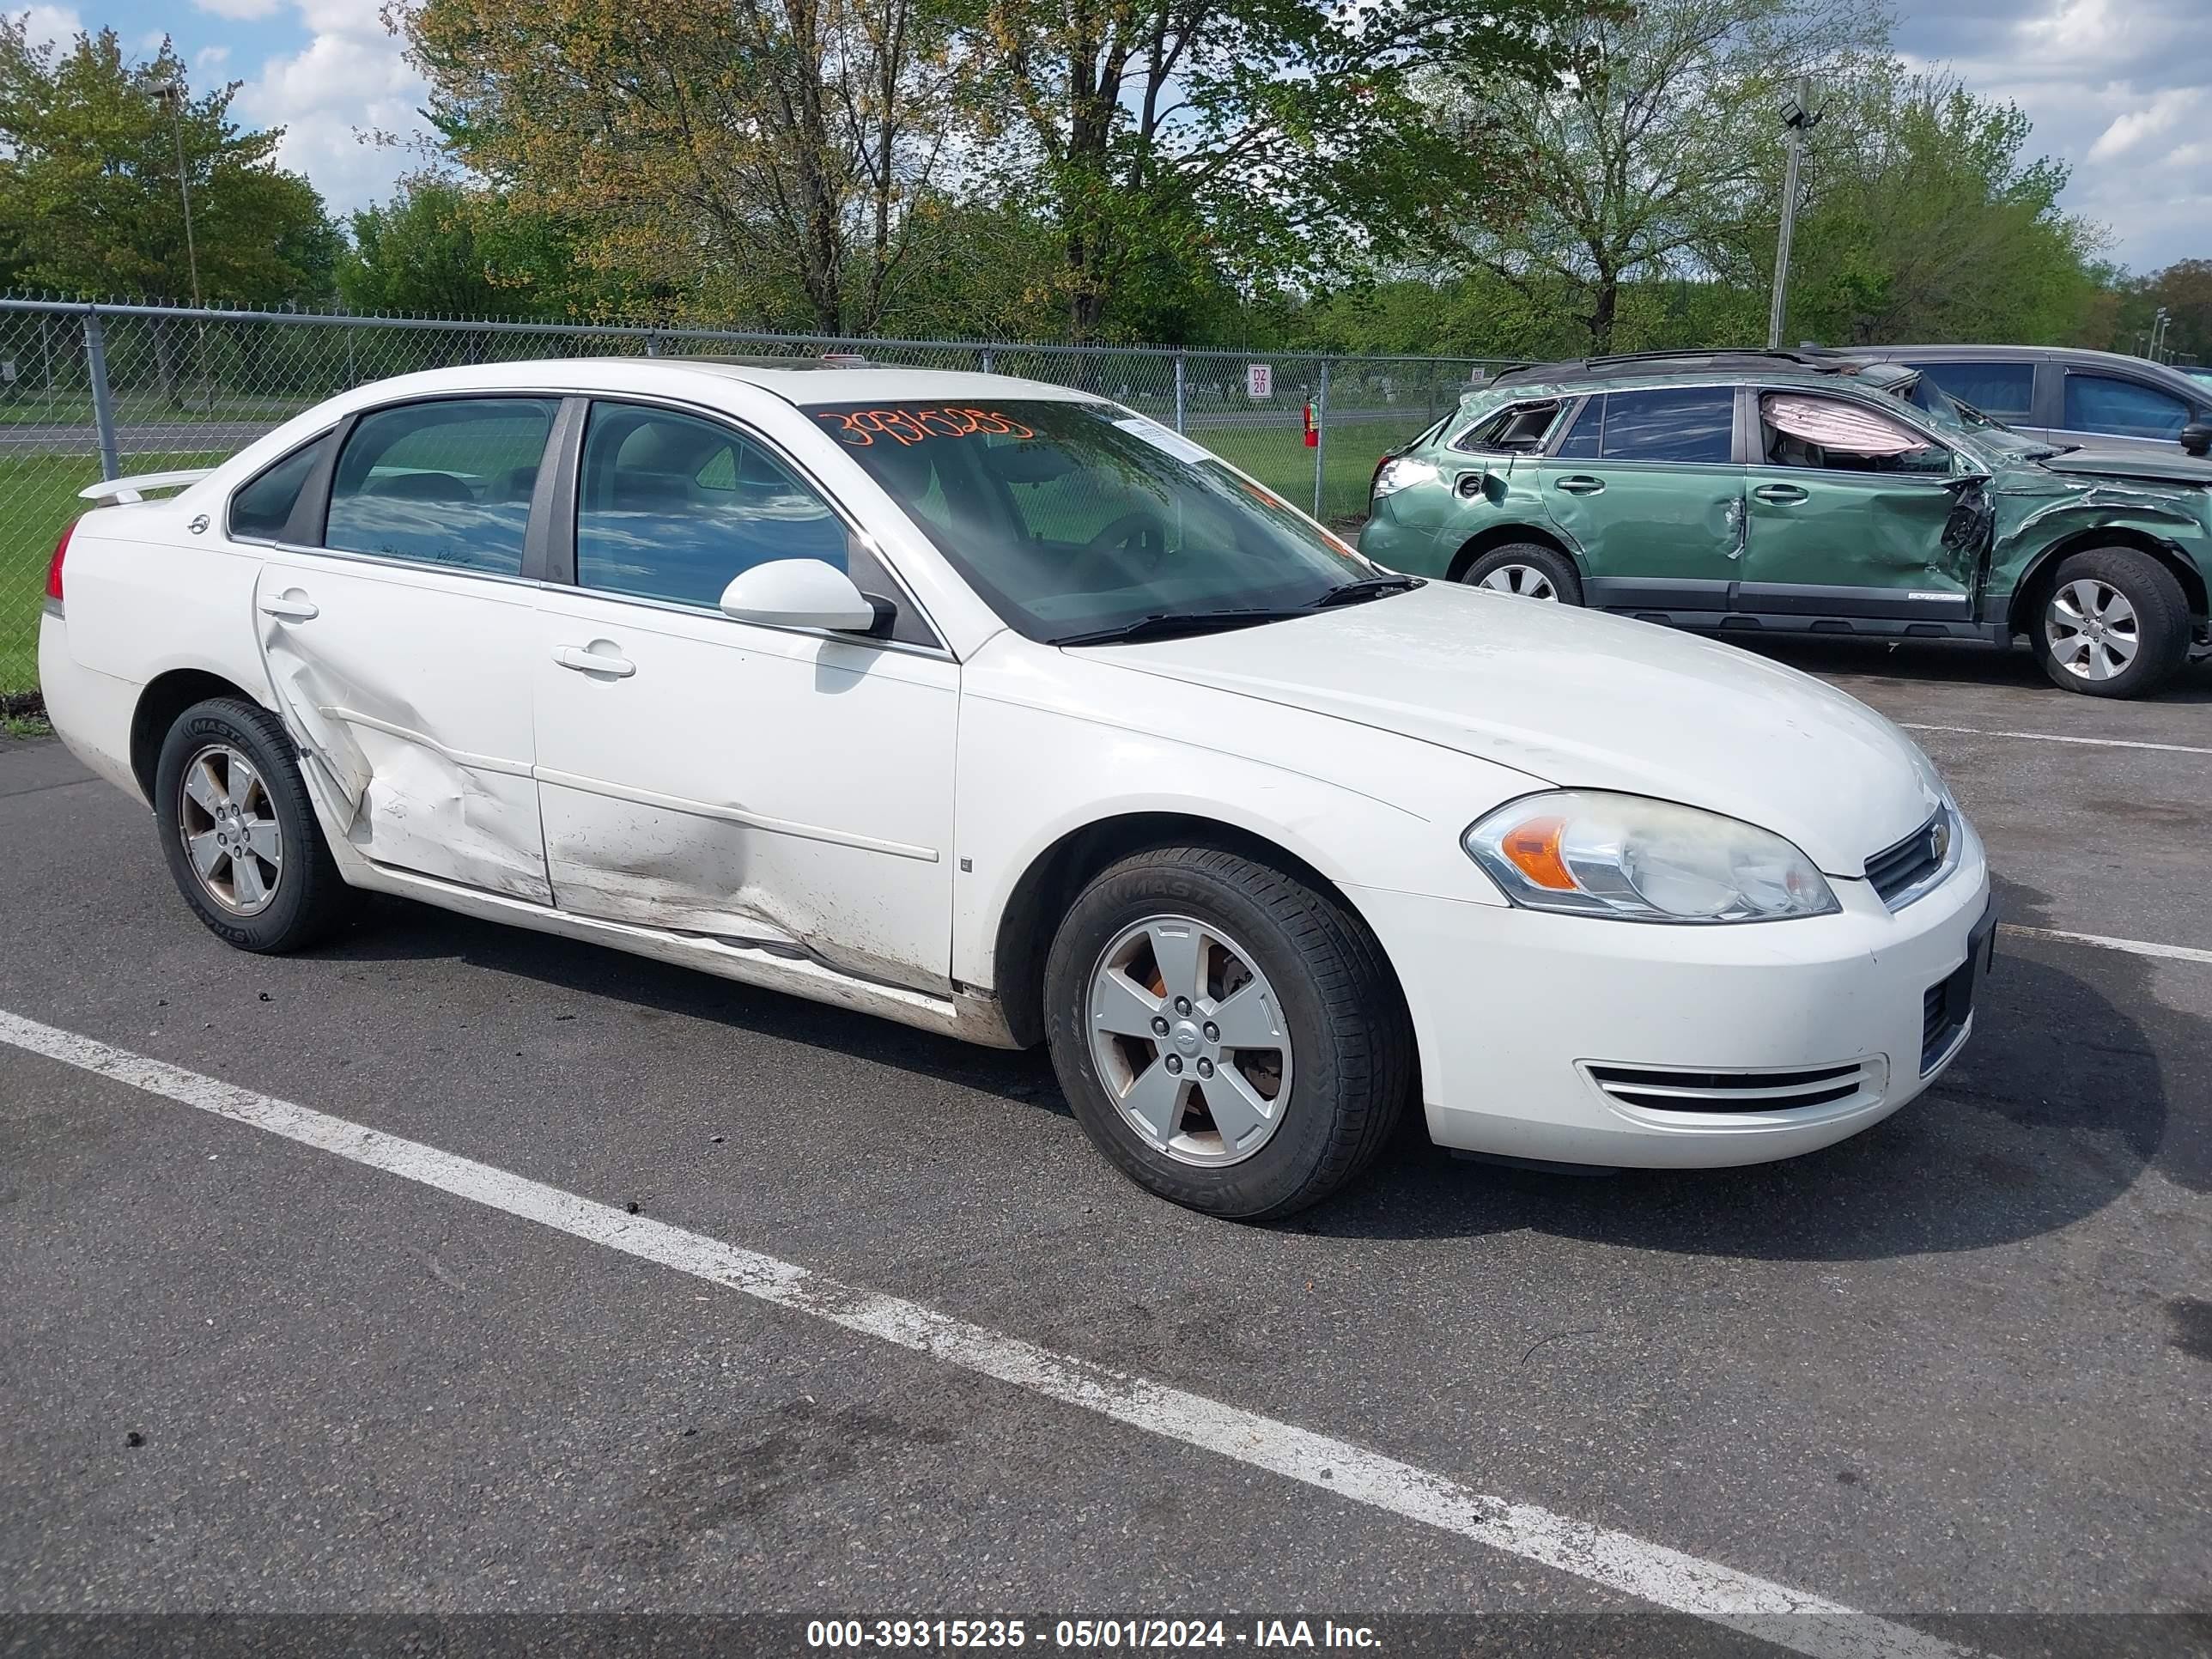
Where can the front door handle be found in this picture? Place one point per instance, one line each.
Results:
(1779, 495)
(594, 662)
(1579, 484)
(294, 606)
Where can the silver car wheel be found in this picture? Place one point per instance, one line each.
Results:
(1190, 1040)
(1523, 581)
(2091, 630)
(228, 826)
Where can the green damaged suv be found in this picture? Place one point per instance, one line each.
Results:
(1771, 493)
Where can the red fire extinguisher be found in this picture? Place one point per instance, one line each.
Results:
(1313, 432)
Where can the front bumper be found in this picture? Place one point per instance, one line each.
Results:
(1522, 1017)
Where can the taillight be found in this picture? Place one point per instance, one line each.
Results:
(54, 566)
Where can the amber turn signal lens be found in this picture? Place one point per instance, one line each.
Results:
(1533, 847)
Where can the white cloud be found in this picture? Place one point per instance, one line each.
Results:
(241, 10)
(210, 57)
(351, 80)
(2161, 114)
(51, 26)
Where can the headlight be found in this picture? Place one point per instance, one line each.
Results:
(1591, 853)
(1400, 471)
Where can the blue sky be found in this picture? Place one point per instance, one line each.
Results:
(2120, 88)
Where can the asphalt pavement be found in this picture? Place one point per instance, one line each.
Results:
(1953, 1372)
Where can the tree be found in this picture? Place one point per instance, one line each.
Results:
(767, 160)
(443, 248)
(1171, 142)
(1652, 153)
(1926, 220)
(89, 198)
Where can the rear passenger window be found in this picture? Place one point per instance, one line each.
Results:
(260, 510)
(671, 508)
(446, 483)
(1582, 440)
(2123, 409)
(2004, 390)
(1695, 424)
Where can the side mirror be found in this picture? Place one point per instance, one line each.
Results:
(2196, 436)
(798, 593)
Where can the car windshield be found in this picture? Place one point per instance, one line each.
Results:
(1078, 520)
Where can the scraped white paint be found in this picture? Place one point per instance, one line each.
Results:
(1615, 1560)
(2137, 947)
(2053, 737)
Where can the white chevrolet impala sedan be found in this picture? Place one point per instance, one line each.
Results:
(997, 709)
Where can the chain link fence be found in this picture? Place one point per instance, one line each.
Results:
(93, 392)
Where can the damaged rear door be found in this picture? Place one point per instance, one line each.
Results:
(785, 788)
(401, 648)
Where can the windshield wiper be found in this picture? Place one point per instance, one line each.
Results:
(1166, 624)
(1367, 587)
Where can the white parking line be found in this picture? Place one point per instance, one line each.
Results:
(1616, 1560)
(2137, 947)
(2054, 737)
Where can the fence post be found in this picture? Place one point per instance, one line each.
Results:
(1179, 390)
(1320, 434)
(985, 358)
(103, 405)
(652, 343)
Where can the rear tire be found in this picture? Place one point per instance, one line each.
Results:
(239, 832)
(1320, 1021)
(2112, 622)
(1526, 570)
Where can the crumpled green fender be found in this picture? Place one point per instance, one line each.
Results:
(2032, 526)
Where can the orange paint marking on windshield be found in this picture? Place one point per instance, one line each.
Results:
(861, 428)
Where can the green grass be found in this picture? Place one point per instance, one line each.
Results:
(38, 498)
(1278, 458)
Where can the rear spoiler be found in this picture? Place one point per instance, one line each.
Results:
(120, 491)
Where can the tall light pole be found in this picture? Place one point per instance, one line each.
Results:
(1796, 122)
(169, 92)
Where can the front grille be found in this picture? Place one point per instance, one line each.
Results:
(1903, 872)
(1655, 1090)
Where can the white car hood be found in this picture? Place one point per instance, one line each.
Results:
(1582, 700)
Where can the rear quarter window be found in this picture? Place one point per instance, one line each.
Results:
(263, 507)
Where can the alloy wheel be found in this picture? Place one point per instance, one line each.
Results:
(228, 826)
(2091, 630)
(1190, 1039)
(1523, 581)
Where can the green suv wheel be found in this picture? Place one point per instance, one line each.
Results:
(2114, 622)
(1528, 570)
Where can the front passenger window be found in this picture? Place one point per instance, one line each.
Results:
(446, 482)
(672, 507)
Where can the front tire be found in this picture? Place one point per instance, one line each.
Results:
(1526, 570)
(2113, 622)
(1229, 1036)
(239, 832)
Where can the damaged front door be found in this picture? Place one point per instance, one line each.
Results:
(401, 653)
(1848, 507)
(763, 786)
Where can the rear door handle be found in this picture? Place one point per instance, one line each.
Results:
(290, 607)
(593, 662)
(1579, 485)
(1779, 495)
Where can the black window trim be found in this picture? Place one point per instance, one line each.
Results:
(564, 501)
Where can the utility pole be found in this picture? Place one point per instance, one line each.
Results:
(169, 92)
(1796, 122)
(2160, 320)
